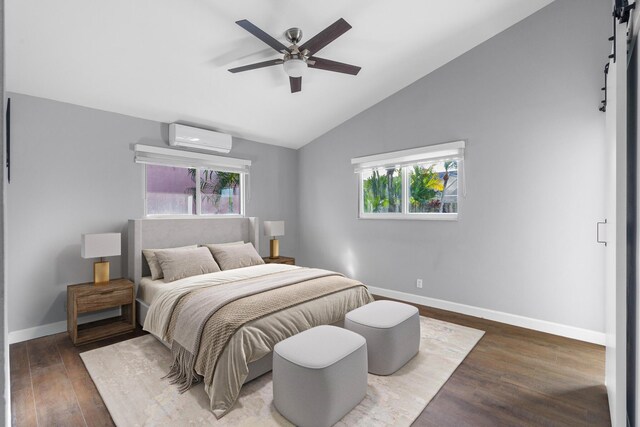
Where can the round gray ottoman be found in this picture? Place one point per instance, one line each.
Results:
(319, 375)
(392, 331)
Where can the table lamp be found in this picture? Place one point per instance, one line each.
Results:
(274, 229)
(100, 246)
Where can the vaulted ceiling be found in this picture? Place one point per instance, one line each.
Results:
(167, 60)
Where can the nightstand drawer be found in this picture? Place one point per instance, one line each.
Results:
(107, 299)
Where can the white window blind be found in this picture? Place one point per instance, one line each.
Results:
(428, 154)
(148, 154)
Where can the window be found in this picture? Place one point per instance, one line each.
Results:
(433, 188)
(382, 190)
(186, 183)
(220, 192)
(170, 190)
(420, 183)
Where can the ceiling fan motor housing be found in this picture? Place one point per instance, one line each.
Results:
(294, 35)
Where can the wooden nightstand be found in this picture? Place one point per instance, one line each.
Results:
(280, 260)
(87, 297)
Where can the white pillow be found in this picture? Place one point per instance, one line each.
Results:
(180, 263)
(229, 257)
(154, 265)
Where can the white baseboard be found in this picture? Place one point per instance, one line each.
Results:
(497, 316)
(57, 327)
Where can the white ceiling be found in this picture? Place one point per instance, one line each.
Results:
(167, 60)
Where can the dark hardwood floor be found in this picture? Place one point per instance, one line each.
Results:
(520, 377)
(50, 385)
(513, 377)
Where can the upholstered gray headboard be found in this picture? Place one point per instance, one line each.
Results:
(158, 233)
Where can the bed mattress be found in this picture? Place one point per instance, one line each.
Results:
(149, 288)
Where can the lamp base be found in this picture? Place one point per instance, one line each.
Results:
(100, 272)
(274, 248)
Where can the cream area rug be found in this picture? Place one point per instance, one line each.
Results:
(129, 374)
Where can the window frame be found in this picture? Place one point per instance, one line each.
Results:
(198, 213)
(162, 156)
(405, 160)
(405, 214)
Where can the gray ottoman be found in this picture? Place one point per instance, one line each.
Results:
(392, 331)
(319, 375)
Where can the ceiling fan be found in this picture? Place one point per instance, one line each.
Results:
(296, 58)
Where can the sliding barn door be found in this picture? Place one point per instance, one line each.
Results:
(616, 228)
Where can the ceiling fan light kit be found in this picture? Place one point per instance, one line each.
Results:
(295, 67)
(296, 58)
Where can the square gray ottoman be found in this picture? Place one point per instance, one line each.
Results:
(319, 375)
(392, 331)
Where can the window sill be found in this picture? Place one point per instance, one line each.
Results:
(416, 216)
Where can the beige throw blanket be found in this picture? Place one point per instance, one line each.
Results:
(201, 305)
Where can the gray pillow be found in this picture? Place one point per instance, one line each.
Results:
(211, 245)
(154, 265)
(180, 263)
(229, 257)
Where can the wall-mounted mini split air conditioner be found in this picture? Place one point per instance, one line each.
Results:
(202, 139)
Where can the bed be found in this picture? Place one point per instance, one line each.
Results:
(278, 301)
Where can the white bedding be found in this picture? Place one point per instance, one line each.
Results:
(149, 288)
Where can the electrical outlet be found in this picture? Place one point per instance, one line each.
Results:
(419, 283)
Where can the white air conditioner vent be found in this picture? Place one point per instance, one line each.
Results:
(202, 139)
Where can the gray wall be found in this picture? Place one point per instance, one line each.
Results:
(73, 173)
(273, 189)
(526, 102)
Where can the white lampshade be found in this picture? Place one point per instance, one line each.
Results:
(295, 67)
(274, 228)
(100, 245)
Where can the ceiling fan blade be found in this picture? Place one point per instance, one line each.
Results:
(296, 84)
(279, 47)
(338, 67)
(256, 65)
(326, 36)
